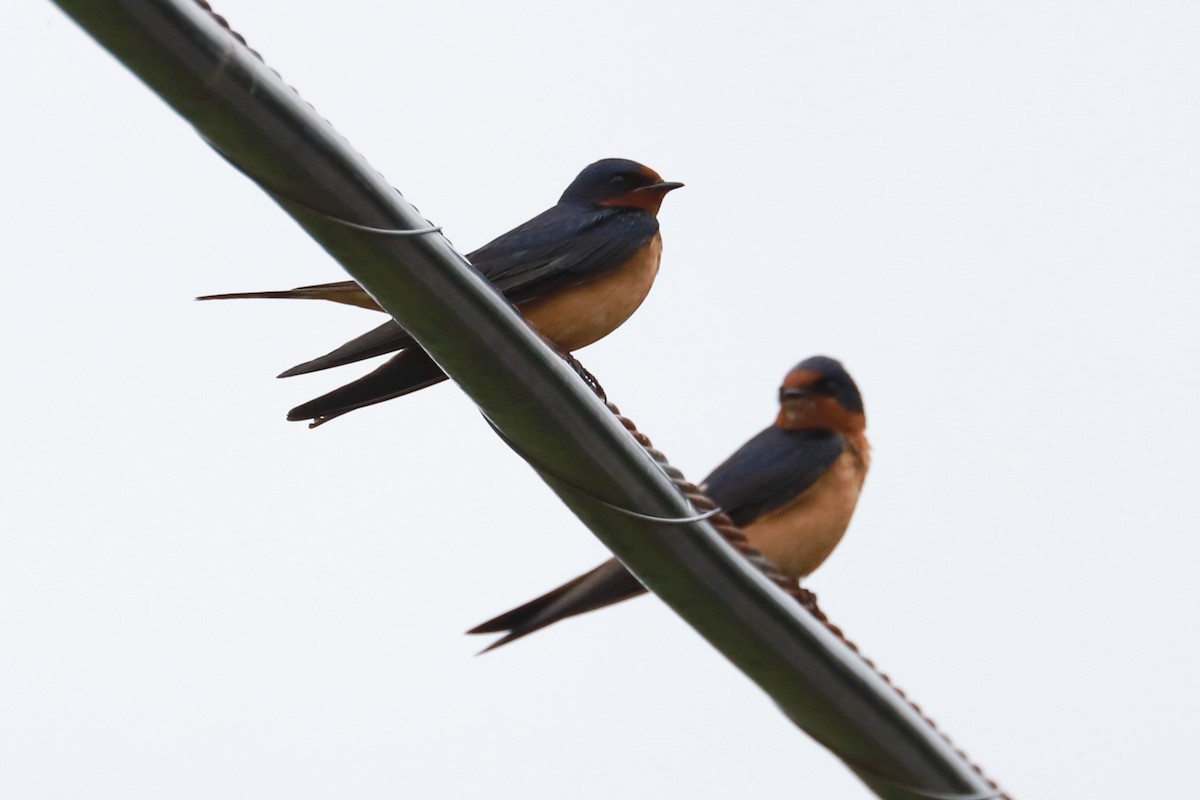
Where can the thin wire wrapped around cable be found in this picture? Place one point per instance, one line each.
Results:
(579, 490)
(279, 194)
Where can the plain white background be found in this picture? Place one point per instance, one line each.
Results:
(988, 212)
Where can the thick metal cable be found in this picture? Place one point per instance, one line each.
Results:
(190, 58)
(734, 535)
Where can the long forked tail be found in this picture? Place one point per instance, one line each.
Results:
(345, 292)
(386, 338)
(607, 584)
(401, 374)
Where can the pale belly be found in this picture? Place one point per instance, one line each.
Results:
(800, 536)
(589, 311)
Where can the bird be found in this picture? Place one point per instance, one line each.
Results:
(792, 489)
(576, 272)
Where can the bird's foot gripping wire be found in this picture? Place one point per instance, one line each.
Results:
(588, 377)
(809, 601)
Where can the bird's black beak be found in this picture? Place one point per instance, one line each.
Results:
(793, 393)
(662, 187)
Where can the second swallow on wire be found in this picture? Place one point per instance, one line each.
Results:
(576, 272)
(791, 489)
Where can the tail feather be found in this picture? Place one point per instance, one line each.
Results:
(402, 374)
(387, 338)
(345, 292)
(607, 584)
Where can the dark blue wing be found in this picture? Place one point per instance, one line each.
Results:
(562, 246)
(771, 470)
(766, 473)
(559, 247)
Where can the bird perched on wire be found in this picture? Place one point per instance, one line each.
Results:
(575, 272)
(792, 489)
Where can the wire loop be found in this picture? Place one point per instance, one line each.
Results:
(280, 195)
(629, 512)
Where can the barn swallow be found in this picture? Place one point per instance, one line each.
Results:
(792, 489)
(575, 272)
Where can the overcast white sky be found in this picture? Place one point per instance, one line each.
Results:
(989, 213)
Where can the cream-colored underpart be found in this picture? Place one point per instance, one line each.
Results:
(800, 536)
(589, 311)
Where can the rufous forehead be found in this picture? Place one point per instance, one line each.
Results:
(801, 377)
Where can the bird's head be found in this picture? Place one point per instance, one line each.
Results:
(618, 183)
(818, 393)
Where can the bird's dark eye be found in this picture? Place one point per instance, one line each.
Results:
(619, 181)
